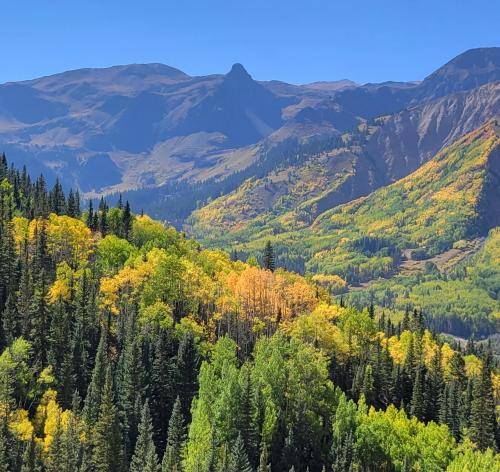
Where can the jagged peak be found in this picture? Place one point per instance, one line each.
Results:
(238, 72)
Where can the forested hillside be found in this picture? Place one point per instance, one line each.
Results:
(128, 347)
(444, 205)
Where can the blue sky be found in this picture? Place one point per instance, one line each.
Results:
(292, 40)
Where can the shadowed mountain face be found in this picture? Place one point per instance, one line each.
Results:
(149, 124)
(144, 126)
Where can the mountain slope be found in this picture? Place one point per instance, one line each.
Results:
(452, 197)
(137, 127)
(444, 201)
(386, 152)
(150, 124)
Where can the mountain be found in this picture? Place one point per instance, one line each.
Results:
(401, 246)
(392, 148)
(149, 126)
(451, 197)
(144, 125)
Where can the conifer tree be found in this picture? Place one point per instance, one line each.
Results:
(72, 206)
(32, 460)
(434, 387)
(127, 221)
(130, 384)
(107, 453)
(96, 386)
(483, 416)
(246, 425)
(172, 459)
(39, 317)
(145, 458)
(418, 406)
(56, 457)
(164, 376)
(71, 444)
(239, 459)
(269, 262)
(5, 465)
(187, 370)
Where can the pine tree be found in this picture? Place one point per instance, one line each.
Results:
(187, 370)
(246, 425)
(164, 375)
(239, 459)
(269, 262)
(5, 465)
(483, 416)
(40, 321)
(90, 216)
(127, 220)
(418, 407)
(10, 320)
(56, 456)
(130, 384)
(32, 460)
(96, 386)
(435, 385)
(107, 453)
(72, 207)
(145, 458)
(367, 388)
(71, 444)
(172, 459)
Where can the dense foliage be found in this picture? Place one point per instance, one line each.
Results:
(127, 347)
(440, 205)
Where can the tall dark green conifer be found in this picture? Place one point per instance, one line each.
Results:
(145, 458)
(239, 459)
(418, 405)
(172, 459)
(96, 386)
(107, 453)
(187, 371)
(269, 261)
(164, 377)
(483, 417)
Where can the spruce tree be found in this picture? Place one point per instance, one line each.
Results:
(418, 406)
(483, 415)
(39, 315)
(56, 456)
(5, 465)
(130, 384)
(96, 386)
(127, 221)
(239, 459)
(434, 387)
(172, 459)
(269, 262)
(145, 458)
(71, 444)
(163, 383)
(187, 371)
(32, 460)
(107, 453)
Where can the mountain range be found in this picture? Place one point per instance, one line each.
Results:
(380, 186)
(147, 126)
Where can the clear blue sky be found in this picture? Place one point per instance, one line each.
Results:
(293, 40)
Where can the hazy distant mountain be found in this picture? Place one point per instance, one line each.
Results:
(143, 125)
(151, 126)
